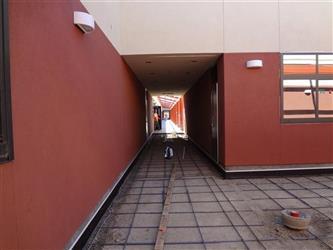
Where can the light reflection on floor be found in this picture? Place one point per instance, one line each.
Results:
(169, 126)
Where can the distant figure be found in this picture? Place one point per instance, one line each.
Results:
(156, 121)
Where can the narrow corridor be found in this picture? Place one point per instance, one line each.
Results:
(207, 211)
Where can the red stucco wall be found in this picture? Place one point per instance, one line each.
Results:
(177, 114)
(253, 132)
(74, 101)
(199, 112)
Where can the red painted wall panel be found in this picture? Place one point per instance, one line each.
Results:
(253, 132)
(198, 111)
(177, 114)
(74, 100)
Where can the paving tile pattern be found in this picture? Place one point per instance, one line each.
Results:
(210, 212)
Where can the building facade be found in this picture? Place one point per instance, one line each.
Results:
(77, 118)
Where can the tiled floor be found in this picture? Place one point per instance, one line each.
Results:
(209, 212)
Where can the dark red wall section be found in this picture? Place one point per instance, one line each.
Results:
(253, 132)
(221, 108)
(78, 120)
(198, 111)
(150, 118)
(177, 114)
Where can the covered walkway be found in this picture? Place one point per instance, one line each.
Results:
(168, 127)
(205, 211)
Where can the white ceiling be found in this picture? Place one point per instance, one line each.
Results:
(171, 74)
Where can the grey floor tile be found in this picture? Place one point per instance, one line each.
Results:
(267, 204)
(118, 220)
(245, 233)
(113, 247)
(181, 207)
(147, 220)
(195, 182)
(142, 235)
(264, 232)
(197, 246)
(111, 235)
(227, 206)
(218, 234)
(180, 198)
(311, 185)
(254, 245)
(182, 220)
(179, 190)
(319, 178)
(280, 180)
(247, 187)
(304, 245)
(225, 246)
(183, 235)
(151, 198)
(226, 187)
(290, 186)
(252, 218)
(153, 183)
(179, 183)
(254, 194)
(220, 196)
(214, 188)
(291, 203)
(212, 219)
(197, 197)
(302, 193)
(150, 208)
(133, 191)
(328, 211)
(326, 192)
(139, 247)
(131, 198)
(156, 190)
(318, 202)
(278, 194)
(322, 229)
(268, 186)
(300, 179)
(328, 183)
(258, 181)
(198, 189)
(206, 207)
(235, 219)
(234, 196)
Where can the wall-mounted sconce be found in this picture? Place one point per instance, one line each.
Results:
(307, 92)
(254, 64)
(84, 21)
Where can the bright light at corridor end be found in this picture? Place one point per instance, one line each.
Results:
(166, 101)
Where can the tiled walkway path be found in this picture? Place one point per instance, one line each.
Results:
(209, 212)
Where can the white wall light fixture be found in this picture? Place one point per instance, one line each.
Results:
(84, 21)
(254, 64)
